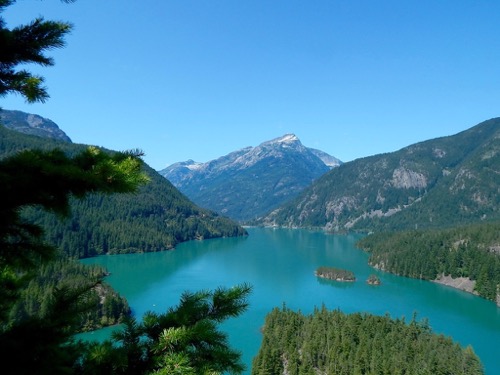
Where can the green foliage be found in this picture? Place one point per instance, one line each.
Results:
(44, 299)
(184, 340)
(468, 251)
(47, 179)
(156, 217)
(27, 44)
(43, 306)
(106, 307)
(331, 342)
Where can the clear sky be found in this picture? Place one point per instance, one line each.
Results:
(198, 79)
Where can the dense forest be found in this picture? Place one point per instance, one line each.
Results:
(470, 251)
(46, 296)
(334, 343)
(155, 218)
(106, 306)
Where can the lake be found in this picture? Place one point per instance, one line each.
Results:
(280, 265)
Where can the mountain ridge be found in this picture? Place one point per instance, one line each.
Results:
(248, 182)
(32, 124)
(157, 217)
(436, 183)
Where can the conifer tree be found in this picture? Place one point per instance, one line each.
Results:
(27, 44)
(184, 340)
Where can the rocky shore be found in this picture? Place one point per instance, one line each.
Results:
(462, 283)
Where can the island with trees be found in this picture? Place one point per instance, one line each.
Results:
(373, 280)
(336, 274)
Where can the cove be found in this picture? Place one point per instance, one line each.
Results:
(280, 265)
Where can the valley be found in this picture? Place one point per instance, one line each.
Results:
(185, 228)
(394, 186)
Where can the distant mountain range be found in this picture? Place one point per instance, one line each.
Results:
(157, 217)
(28, 123)
(437, 183)
(249, 182)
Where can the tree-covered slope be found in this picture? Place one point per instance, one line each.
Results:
(437, 183)
(469, 252)
(156, 218)
(106, 306)
(331, 342)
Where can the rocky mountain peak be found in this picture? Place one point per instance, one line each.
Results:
(436, 183)
(286, 139)
(247, 182)
(32, 124)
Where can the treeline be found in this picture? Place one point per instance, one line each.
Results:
(157, 218)
(152, 220)
(331, 342)
(105, 306)
(471, 251)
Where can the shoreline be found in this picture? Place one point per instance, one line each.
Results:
(461, 283)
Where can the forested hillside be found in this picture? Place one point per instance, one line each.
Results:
(471, 252)
(332, 342)
(106, 306)
(437, 183)
(156, 218)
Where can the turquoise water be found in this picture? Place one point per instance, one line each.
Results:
(280, 264)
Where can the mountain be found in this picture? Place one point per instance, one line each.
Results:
(155, 218)
(249, 182)
(437, 183)
(28, 123)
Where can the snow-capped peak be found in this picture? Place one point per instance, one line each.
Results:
(287, 138)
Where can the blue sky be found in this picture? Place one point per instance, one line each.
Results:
(198, 79)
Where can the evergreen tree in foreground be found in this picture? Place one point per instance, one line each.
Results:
(184, 340)
(26, 44)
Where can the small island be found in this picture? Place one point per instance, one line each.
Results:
(337, 274)
(373, 280)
